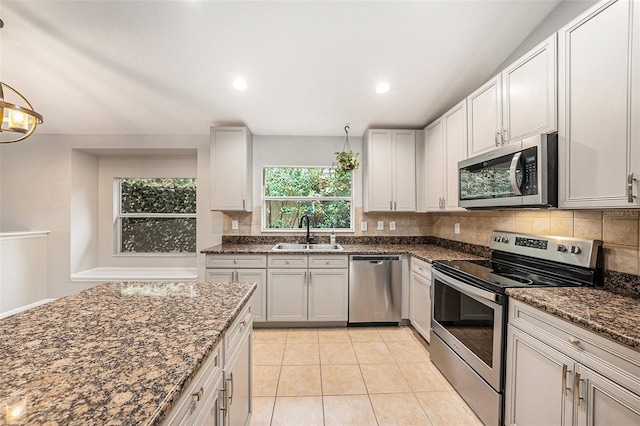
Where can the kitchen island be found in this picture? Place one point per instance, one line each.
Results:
(118, 353)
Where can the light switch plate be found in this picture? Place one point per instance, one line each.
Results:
(380, 225)
(456, 228)
(234, 224)
(392, 225)
(363, 226)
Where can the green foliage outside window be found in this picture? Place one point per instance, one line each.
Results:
(322, 193)
(157, 215)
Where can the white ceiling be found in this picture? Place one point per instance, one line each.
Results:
(166, 67)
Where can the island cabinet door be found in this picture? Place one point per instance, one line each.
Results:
(237, 376)
(212, 413)
(539, 383)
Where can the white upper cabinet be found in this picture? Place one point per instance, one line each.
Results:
(599, 104)
(231, 169)
(455, 146)
(517, 103)
(445, 145)
(529, 93)
(389, 170)
(435, 170)
(485, 117)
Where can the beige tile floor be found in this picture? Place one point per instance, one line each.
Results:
(350, 376)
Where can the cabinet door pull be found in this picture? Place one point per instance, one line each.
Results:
(244, 204)
(564, 379)
(504, 136)
(391, 205)
(231, 388)
(630, 180)
(497, 137)
(576, 390)
(306, 280)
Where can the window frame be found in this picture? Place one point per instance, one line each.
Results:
(119, 215)
(263, 219)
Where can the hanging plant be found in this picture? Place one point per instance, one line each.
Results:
(347, 159)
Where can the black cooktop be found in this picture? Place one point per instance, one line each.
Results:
(497, 276)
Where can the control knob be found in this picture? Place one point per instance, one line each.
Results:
(504, 240)
(561, 248)
(574, 249)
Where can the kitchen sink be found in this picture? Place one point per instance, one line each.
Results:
(307, 247)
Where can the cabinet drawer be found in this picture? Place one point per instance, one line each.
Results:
(609, 358)
(328, 261)
(233, 337)
(421, 267)
(202, 386)
(236, 261)
(287, 261)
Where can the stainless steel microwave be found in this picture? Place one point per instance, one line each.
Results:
(521, 174)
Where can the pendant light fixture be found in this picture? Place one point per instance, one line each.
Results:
(19, 120)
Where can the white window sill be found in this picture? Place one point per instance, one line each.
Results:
(104, 274)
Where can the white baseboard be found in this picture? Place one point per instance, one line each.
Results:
(24, 308)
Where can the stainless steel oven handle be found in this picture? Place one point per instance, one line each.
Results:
(464, 288)
(512, 173)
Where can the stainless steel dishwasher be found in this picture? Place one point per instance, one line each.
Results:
(375, 288)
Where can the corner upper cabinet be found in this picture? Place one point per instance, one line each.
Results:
(231, 169)
(389, 170)
(517, 103)
(599, 104)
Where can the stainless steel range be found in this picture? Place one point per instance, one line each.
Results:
(469, 307)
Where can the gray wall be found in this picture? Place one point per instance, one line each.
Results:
(561, 15)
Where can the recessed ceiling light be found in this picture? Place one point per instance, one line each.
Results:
(382, 87)
(240, 85)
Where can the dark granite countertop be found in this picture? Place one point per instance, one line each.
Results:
(426, 252)
(603, 312)
(118, 353)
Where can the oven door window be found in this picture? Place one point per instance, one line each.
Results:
(468, 320)
(496, 178)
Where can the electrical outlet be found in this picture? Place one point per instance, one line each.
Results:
(380, 225)
(456, 228)
(392, 225)
(234, 224)
(363, 226)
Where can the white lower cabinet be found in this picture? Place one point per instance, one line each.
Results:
(237, 377)
(220, 393)
(287, 295)
(318, 293)
(560, 374)
(420, 297)
(242, 268)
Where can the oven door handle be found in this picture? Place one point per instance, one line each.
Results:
(465, 288)
(513, 168)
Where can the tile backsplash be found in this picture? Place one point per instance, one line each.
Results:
(619, 229)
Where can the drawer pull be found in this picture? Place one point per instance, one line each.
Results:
(574, 341)
(286, 261)
(327, 262)
(235, 261)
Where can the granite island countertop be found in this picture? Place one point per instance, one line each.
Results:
(118, 353)
(603, 312)
(426, 252)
